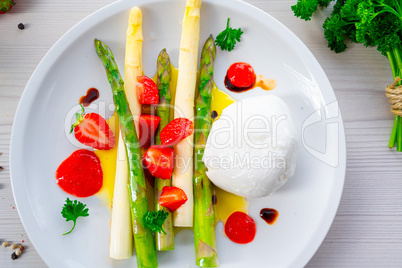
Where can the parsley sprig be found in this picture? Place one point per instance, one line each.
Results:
(154, 220)
(227, 39)
(72, 210)
(305, 9)
(374, 23)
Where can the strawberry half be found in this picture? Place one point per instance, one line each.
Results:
(148, 125)
(159, 160)
(147, 90)
(6, 5)
(172, 198)
(92, 130)
(176, 130)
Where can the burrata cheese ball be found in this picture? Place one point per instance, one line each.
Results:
(252, 148)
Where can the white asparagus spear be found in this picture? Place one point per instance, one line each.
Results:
(184, 107)
(121, 236)
(133, 62)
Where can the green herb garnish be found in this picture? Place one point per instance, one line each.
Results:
(376, 23)
(226, 39)
(304, 9)
(72, 210)
(154, 220)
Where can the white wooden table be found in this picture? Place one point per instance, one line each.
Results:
(367, 230)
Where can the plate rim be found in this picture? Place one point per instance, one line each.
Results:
(89, 21)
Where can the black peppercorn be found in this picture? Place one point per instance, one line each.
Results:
(14, 256)
(21, 26)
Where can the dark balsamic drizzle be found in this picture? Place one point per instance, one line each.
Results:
(92, 95)
(214, 199)
(269, 215)
(214, 114)
(233, 88)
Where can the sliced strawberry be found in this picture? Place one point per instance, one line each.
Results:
(92, 130)
(159, 160)
(172, 198)
(148, 125)
(6, 5)
(176, 130)
(147, 90)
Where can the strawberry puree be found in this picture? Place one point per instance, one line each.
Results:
(80, 174)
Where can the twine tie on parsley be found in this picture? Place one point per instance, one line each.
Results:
(394, 95)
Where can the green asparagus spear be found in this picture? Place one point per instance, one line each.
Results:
(144, 243)
(204, 216)
(163, 241)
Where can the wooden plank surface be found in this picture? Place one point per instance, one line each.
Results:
(367, 231)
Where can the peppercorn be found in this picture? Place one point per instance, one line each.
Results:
(18, 252)
(21, 26)
(13, 246)
(21, 247)
(5, 244)
(14, 256)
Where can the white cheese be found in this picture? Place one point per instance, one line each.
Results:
(252, 148)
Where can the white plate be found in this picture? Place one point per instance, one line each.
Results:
(307, 203)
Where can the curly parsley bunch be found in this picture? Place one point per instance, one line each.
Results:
(375, 23)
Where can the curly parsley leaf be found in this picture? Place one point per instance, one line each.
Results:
(227, 39)
(72, 210)
(304, 9)
(155, 220)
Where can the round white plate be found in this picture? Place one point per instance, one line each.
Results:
(307, 203)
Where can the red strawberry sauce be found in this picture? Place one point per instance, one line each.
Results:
(80, 174)
(240, 228)
(240, 77)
